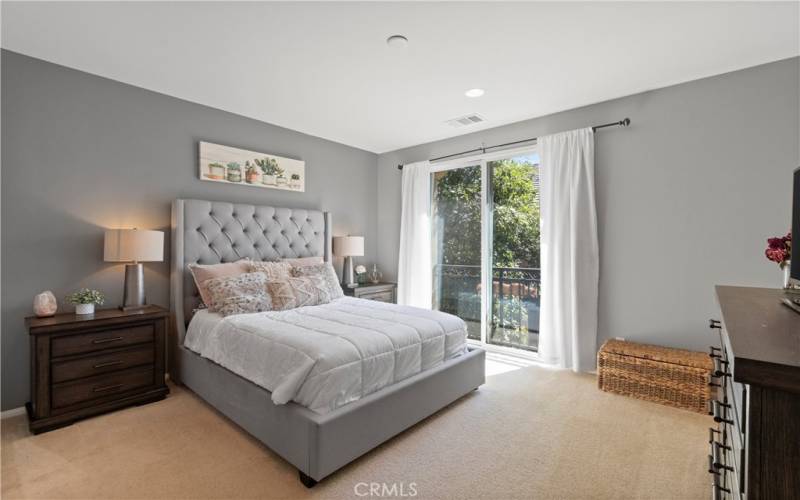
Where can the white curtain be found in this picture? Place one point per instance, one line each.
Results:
(569, 250)
(414, 267)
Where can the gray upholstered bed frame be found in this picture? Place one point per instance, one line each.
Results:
(209, 232)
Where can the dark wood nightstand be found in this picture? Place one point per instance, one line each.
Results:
(86, 365)
(382, 292)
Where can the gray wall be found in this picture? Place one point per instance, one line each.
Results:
(686, 196)
(82, 153)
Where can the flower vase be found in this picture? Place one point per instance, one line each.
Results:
(84, 309)
(787, 266)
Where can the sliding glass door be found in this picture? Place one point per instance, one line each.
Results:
(456, 244)
(486, 247)
(514, 212)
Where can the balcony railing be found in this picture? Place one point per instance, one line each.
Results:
(515, 302)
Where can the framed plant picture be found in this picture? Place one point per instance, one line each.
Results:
(249, 168)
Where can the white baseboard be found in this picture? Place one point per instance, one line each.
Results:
(12, 413)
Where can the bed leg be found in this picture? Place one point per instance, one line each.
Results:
(307, 481)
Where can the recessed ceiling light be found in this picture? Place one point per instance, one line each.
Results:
(474, 92)
(397, 41)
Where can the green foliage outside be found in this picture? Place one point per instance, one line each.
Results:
(457, 211)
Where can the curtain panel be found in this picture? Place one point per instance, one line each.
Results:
(569, 250)
(414, 280)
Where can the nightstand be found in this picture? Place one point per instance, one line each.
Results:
(86, 365)
(382, 292)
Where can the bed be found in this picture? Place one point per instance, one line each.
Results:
(317, 442)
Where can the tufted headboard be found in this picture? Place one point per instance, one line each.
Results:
(211, 232)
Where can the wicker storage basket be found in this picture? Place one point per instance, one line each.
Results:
(673, 377)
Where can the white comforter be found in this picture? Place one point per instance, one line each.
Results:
(326, 356)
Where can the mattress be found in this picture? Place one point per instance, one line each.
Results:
(326, 356)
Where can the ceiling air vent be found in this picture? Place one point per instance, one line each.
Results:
(466, 121)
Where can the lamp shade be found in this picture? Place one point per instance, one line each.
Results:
(133, 245)
(348, 246)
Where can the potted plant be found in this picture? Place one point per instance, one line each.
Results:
(85, 300)
(234, 172)
(280, 179)
(216, 171)
(269, 167)
(294, 181)
(361, 271)
(251, 173)
(779, 250)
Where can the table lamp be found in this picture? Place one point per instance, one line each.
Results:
(348, 247)
(133, 246)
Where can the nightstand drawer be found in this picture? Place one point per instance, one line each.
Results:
(102, 363)
(387, 296)
(105, 339)
(71, 393)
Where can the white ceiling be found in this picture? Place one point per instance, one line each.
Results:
(324, 68)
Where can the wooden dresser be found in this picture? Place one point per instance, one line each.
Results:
(755, 445)
(85, 365)
(382, 292)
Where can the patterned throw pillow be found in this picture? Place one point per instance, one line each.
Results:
(325, 270)
(298, 292)
(246, 293)
(304, 261)
(204, 272)
(275, 271)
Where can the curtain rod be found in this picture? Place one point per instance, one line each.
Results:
(622, 123)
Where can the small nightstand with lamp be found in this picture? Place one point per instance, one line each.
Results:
(84, 365)
(348, 247)
(133, 246)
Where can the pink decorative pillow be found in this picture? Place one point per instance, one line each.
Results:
(304, 261)
(275, 271)
(203, 273)
(298, 292)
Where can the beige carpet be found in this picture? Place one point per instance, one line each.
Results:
(529, 433)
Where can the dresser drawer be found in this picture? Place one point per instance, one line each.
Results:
(102, 363)
(387, 296)
(78, 391)
(104, 339)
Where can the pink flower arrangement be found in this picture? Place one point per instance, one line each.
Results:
(779, 249)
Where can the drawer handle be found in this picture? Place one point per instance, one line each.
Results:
(717, 490)
(711, 468)
(107, 388)
(103, 341)
(711, 432)
(712, 380)
(719, 369)
(717, 456)
(714, 323)
(714, 352)
(720, 412)
(109, 363)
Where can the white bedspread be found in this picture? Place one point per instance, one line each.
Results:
(326, 356)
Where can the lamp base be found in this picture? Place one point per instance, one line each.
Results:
(133, 295)
(348, 278)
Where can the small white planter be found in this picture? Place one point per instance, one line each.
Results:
(84, 309)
